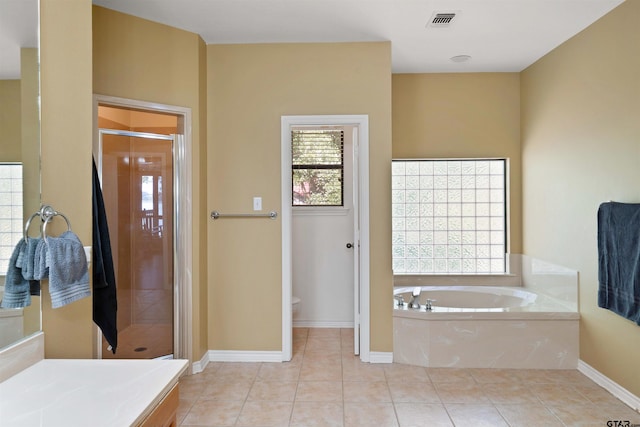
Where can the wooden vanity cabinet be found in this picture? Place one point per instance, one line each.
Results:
(164, 415)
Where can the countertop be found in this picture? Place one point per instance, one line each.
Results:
(70, 392)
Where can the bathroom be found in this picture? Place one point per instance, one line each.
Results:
(567, 124)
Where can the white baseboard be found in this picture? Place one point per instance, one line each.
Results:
(244, 356)
(321, 324)
(199, 366)
(611, 386)
(381, 357)
(264, 356)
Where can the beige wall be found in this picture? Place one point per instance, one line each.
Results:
(10, 122)
(66, 140)
(249, 88)
(142, 60)
(458, 116)
(580, 143)
(579, 136)
(30, 145)
(30, 124)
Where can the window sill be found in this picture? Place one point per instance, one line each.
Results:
(506, 279)
(320, 210)
(454, 275)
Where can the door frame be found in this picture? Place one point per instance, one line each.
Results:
(183, 228)
(361, 213)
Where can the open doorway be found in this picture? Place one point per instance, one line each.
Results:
(348, 243)
(140, 152)
(323, 226)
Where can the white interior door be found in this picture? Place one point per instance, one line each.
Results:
(356, 244)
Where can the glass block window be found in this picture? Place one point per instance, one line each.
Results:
(317, 159)
(11, 215)
(449, 216)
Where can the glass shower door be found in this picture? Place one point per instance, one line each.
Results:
(137, 185)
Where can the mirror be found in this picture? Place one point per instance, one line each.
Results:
(19, 148)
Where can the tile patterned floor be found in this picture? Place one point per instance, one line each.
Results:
(325, 385)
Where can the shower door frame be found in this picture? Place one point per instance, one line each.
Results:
(183, 228)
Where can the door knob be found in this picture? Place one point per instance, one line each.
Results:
(349, 245)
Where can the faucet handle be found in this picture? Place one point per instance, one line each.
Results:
(400, 300)
(428, 304)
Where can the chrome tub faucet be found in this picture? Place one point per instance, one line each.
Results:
(414, 303)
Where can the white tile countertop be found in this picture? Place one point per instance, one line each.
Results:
(69, 392)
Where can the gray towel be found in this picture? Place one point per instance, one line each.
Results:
(619, 259)
(16, 288)
(28, 258)
(27, 261)
(68, 273)
(41, 269)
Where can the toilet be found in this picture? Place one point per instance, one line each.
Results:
(295, 303)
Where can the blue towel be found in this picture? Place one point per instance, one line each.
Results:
(68, 272)
(619, 259)
(28, 257)
(16, 287)
(27, 260)
(41, 269)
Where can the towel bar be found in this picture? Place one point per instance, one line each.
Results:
(271, 215)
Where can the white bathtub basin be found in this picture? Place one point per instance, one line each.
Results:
(470, 296)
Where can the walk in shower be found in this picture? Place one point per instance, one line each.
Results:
(137, 177)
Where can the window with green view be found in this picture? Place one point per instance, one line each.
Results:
(317, 167)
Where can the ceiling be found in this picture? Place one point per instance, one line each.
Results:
(18, 28)
(498, 35)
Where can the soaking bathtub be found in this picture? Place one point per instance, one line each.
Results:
(484, 327)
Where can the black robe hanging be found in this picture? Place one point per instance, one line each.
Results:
(105, 304)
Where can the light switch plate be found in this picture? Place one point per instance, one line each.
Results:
(257, 203)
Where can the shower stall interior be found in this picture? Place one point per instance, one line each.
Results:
(137, 178)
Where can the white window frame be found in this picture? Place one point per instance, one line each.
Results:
(340, 167)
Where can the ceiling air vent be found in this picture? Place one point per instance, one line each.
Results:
(441, 19)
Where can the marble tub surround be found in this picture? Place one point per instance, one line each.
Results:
(20, 355)
(552, 280)
(11, 325)
(542, 335)
(533, 324)
(57, 392)
(495, 342)
(11, 322)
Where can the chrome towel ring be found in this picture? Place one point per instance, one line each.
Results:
(46, 214)
(49, 214)
(26, 227)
